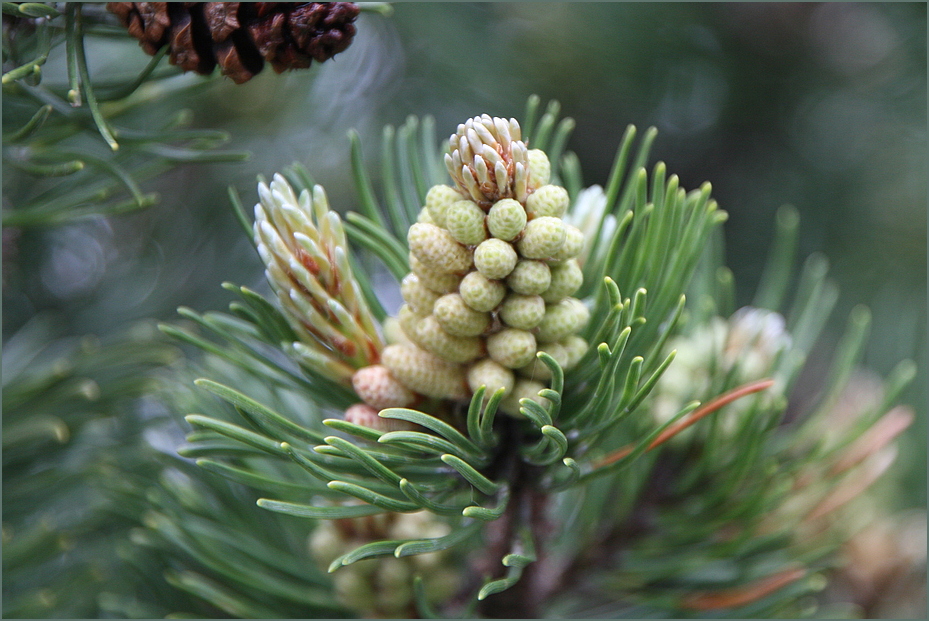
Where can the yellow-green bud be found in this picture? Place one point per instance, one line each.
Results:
(425, 216)
(549, 200)
(538, 370)
(529, 277)
(511, 347)
(567, 278)
(416, 295)
(379, 389)
(562, 319)
(433, 279)
(393, 331)
(438, 200)
(539, 168)
(541, 239)
(409, 321)
(573, 244)
(431, 337)
(492, 374)
(457, 318)
(575, 347)
(494, 258)
(436, 248)
(522, 311)
(465, 221)
(522, 389)
(480, 293)
(506, 219)
(425, 373)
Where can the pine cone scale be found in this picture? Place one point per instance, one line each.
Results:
(240, 36)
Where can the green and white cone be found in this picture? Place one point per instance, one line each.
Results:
(493, 268)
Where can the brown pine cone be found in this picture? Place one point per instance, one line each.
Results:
(240, 36)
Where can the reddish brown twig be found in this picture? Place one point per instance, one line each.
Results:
(740, 596)
(714, 405)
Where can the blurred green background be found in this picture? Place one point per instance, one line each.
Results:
(822, 106)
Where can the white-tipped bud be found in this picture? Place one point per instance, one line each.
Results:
(522, 311)
(480, 293)
(529, 277)
(562, 319)
(495, 258)
(438, 200)
(491, 374)
(573, 244)
(457, 349)
(465, 221)
(457, 318)
(425, 373)
(511, 347)
(542, 238)
(506, 219)
(416, 295)
(437, 249)
(522, 389)
(539, 168)
(549, 200)
(567, 278)
(432, 279)
(379, 389)
(364, 415)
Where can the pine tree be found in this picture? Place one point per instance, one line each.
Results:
(567, 416)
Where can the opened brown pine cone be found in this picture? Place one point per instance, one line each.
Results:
(240, 36)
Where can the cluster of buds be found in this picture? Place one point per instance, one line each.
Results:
(494, 267)
(305, 252)
(382, 588)
(743, 348)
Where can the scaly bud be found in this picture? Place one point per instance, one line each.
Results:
(484, 154)
(573, 244)
(416, 295)
(549, 200)
(465, 221)
(506, 219)
(538, 370)
(542, 238)
(457, 318)
(529, 277)
(511, 347)
(433, 279)
(539, 168)
(522, 389)
(480, 293)
(494, 258)
(437, 249)
(575, 347)
(522, 311)
(567, 278)
(438, 199)
(425, 373)
(379, 389)
(431, 337)
(562, 319)
(491, 374)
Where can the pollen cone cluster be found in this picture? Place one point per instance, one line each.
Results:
(493, 271)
